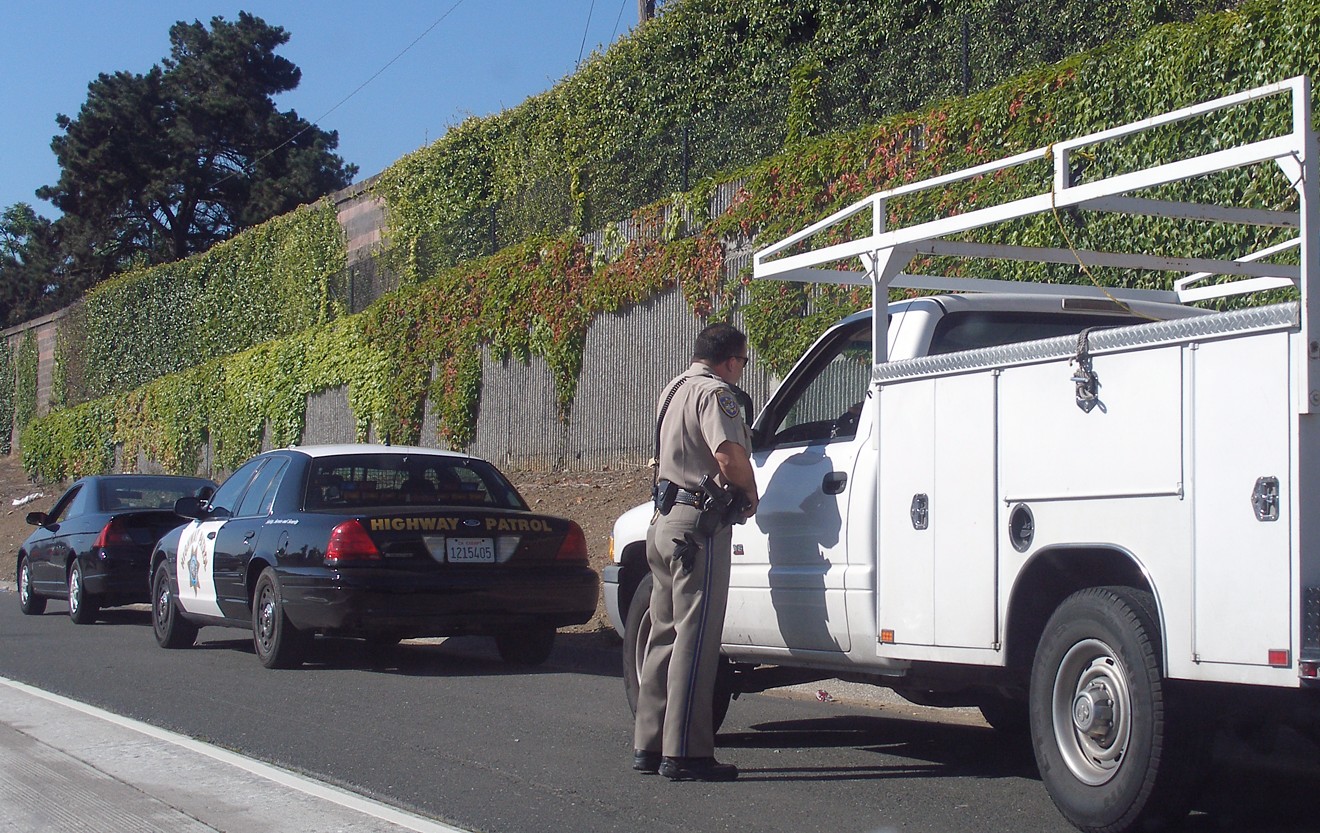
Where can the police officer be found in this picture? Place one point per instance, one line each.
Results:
(700, 433)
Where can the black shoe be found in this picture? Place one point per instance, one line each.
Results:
(646, 762)
(697, 769)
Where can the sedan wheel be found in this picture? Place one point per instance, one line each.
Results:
(28, 600)
(83, 606)
(172, 630)
(278, 643)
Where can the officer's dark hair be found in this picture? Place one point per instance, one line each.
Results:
(719, 343)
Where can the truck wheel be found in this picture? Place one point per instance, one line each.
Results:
(278, 643)
(83, 606)
(1108, 738)
(172, 630)
(28, 601)
(527, 647)
(637, 631)
(1005, 714)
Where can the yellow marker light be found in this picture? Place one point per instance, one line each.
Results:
(887, 637)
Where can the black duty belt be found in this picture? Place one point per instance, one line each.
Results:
(690, 498)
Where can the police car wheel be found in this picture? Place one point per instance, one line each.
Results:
(28, 601)
(1114, 747)
(277, 642)
(83, 606)
(637, 631)
(171, 629)
(528, 646)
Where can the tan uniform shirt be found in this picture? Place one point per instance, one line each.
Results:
(703, 414)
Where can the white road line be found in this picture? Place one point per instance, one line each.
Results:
(292, 780)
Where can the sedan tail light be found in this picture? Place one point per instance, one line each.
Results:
(114, 534)
(350, 542)
(574, 547)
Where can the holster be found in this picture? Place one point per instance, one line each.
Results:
(724, 507)
(663, 494)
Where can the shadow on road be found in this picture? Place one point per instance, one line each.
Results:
(459, 656)
(1247, 791)
(936, 749)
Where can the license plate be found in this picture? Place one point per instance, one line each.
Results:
(470, 550)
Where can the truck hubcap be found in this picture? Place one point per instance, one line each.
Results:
(1092, 714)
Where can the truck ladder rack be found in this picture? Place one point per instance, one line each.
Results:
(884, 254)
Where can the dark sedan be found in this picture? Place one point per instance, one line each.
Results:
(94, 546)
(372, 541)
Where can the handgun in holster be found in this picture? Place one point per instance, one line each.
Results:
(724, 507)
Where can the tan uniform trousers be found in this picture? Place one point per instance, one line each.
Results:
(677, 685)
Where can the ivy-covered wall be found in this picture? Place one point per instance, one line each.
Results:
(720, 83)
(538, 297)
(7, 391)
(274, 280)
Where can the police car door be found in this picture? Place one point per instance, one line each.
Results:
(238, 538)
(790, 561)
(195, 566)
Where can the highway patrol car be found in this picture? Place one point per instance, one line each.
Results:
(374, 541)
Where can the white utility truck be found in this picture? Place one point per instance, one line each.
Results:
(1083, 510)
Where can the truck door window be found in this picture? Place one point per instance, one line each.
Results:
(826, 400)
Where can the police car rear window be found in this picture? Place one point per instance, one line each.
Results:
(368, 480)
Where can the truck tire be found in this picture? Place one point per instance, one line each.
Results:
(1109, 739)
(1006, 715)
(635, 633)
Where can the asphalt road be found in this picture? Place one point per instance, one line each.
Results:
(448, 731)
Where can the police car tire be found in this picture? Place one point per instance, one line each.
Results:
(637, 629)
(277, 642)
(83, 606)
(1103, 645)
(526, 647)
(167, 622)
(28, 601)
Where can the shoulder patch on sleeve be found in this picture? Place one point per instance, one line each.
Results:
(728, 404)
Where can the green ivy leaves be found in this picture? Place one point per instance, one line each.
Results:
(268, 293)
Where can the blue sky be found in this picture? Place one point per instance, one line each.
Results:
(484, 56)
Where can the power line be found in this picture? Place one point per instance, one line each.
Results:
(583, 47)
(622, 3)
(344, 100)
(391, 63)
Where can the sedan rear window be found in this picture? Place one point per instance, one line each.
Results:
(145, 492)
(365, 480)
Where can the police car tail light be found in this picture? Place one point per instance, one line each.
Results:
(574, 547)
(114, 534)
(350, 542)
